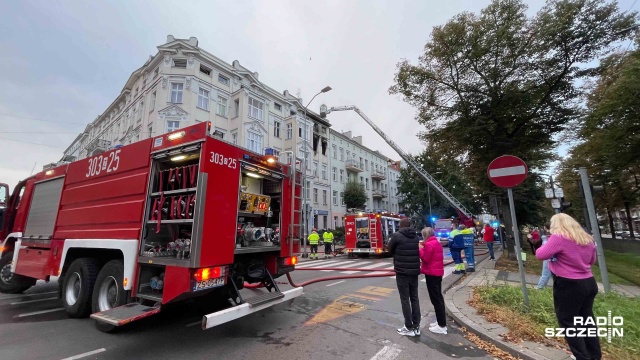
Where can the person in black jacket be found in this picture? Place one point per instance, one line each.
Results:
(406, 262)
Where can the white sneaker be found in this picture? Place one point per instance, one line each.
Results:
(406, 332)
(438, 330)
(433, 324)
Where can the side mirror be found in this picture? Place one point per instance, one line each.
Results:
(4, 194)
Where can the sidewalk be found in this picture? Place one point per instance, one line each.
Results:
(456, 303)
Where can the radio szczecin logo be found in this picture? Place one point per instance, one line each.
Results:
(608, 327)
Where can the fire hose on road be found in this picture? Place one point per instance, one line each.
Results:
(382, 273)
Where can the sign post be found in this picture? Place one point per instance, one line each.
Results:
(507, 172)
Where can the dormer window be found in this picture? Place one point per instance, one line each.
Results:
(180, 63)
(205, 70)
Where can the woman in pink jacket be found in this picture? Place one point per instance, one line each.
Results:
(433, 269)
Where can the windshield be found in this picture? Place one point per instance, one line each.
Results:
(442, 224)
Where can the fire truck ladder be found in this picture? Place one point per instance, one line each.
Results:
(373, 229)
(414, 165)
(296, 181)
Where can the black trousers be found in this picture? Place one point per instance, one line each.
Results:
(573, 298)
(408, 289)
(327, 248)
(434, 288)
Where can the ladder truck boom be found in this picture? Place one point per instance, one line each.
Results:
(414, 165)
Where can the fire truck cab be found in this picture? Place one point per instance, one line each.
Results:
(130, 230)
(369, 233)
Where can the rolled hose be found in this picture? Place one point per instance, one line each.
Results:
(383, 273)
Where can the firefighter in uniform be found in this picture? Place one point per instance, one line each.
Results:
(313, 241)
(328, 241)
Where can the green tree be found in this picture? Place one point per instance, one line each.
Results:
(354, 195)
(500, 83)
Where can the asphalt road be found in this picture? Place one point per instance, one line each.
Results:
(349, 319)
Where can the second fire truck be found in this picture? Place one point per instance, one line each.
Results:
(369, 233)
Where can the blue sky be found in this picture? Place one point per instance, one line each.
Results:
(65, 61)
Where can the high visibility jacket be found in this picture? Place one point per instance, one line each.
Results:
(313, 238)
(327, 237)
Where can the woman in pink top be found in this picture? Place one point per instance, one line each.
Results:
(432, 267)
(572, 252)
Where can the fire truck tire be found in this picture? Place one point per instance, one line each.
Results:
(108, 291)
(77, 287)
(11, 283)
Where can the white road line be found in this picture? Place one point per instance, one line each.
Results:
(38, 312)
(366, 267)
(311, 264)
(15, 296)
(33, 301)
(338, 265)
(336, 283)
(390, 268)
(80, 356)
(387, 353)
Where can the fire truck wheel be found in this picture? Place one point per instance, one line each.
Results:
(11, 283)
(78, 287)
(109, 292)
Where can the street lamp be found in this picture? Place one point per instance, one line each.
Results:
(303, 214)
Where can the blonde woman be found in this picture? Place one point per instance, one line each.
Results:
(574, 288)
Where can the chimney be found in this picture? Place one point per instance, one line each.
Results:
(347, 134)
(170, 38)
(358, 139)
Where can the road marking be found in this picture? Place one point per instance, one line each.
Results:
(23, 295)
(80, 356)
(338, 265)
(387, 353)
(38, 312)
(312, 264)
(194, 323)
(366, 267)
(33, 301)
(336, 283)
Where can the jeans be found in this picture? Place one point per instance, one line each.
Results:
(546, 274)
(574, 298)
(408, 289)
(434, 288)
(490, 247)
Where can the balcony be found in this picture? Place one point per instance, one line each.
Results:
(97, 146)
(353, 165)
(379, 194)
(378, 175)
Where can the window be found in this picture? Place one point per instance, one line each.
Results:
(234, 138)
(176, 93)
(341, 198)
(254, 142)
(348, 153)
(334, 150)
(205, 70)
(223, 79)
(335, 198)
(222, 106)
(324, 172)
(341, 176)
(315, 169)
(150, 133)
(277, 106)
(289, 131)
(219, 134)
(324, 197)
(334, 173)
(180, 63)
(203, 99)
(308, 190)
(255, 108)
(361, 180)
(341, 154)
(172, 125)
(366, 181)
(366, 165)
(153, 101)
(276, 128)
(299, 131)
(315, 196)
(237, 104)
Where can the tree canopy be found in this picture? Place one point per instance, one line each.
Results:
(354, 195)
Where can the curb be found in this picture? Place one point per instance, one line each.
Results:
(480, 331)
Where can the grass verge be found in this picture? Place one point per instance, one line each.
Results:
(504, 305)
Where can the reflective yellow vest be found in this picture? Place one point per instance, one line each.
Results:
(327, 237)
(313, 238)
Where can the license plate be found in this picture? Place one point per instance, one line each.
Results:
(207, 284)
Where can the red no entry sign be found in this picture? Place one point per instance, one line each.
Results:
(507, 171)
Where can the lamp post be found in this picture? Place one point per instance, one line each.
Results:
(303, 213)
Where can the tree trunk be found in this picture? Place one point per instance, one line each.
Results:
(611, 227)
(627, 209)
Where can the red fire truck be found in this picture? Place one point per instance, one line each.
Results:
(177, 216)
(369, 233)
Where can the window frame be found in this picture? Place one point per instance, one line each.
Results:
(221, 100)
(203, 101)
(179, 93)
(259, 110)
(225, 80)
(255, 145)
